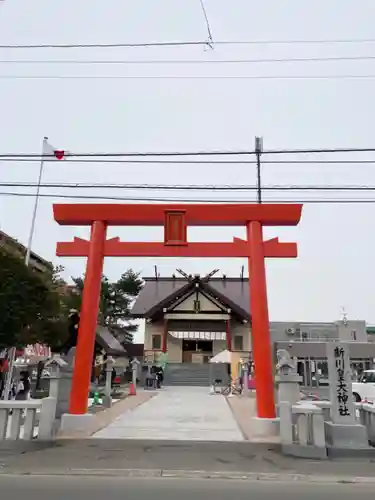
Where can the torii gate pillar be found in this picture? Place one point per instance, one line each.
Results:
(261, 341)
(88, 320)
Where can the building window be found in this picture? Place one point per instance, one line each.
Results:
(238, 343)
(354, 335)
(156, 341)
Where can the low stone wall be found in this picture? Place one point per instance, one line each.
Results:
(27, 420)
(305, 431)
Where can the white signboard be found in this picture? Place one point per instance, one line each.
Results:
(339, 373)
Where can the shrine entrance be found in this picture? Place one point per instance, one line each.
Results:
(176, 219)
(192, 347)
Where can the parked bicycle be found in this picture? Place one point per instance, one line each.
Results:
(232, 388)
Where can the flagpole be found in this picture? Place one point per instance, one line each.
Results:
(31, 235)
(8, 383)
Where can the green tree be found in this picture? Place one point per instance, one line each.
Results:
(116, 299)
(30, 304)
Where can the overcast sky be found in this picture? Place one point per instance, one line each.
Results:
(336, 242)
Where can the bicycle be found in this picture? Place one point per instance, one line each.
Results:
(233, 389)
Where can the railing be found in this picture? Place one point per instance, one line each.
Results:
(302, 424)
(27, 420)
(361, 410)
(367, 418)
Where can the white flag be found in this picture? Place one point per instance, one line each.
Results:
(52, 152)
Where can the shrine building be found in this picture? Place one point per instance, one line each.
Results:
(194, 318)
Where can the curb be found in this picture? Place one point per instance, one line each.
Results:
(200, 474)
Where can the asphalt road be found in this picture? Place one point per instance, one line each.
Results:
(97, 488)
(25, 457)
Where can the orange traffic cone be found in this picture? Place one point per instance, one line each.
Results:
(132, 391)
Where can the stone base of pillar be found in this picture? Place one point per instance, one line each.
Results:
(312, 452)
(265, 427)
(74, 423)
(346, 436)
(107, 401)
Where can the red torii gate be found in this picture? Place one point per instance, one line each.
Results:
(176, 219)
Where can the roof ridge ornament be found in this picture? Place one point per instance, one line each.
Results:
(209, 275)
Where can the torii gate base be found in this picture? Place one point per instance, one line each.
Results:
(176, 219)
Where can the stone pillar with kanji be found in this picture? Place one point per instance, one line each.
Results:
(343, 431)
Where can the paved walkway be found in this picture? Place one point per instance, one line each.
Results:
(178, 413)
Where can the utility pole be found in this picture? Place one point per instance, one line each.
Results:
(258, 152)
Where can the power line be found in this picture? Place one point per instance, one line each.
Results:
(103, 45)
(186, 61)
(317, 151)
(188, 77)
(187, 43)
(190, 187)
(193, 162)
(184, 200)
(68, 155)
(147, 162)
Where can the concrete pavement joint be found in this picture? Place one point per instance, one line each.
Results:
(265, 476)
(244, 435)
(200, 474)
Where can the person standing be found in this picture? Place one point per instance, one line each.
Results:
(160, 376)
(24, 387)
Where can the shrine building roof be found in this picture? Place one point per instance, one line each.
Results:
(161, 292)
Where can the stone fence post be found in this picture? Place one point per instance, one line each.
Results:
(107, 398)
(47, 419)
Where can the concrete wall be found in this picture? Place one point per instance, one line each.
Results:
(357, 350)
(352, 331)
(150, 330)
(310, 332)
(243, 330)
